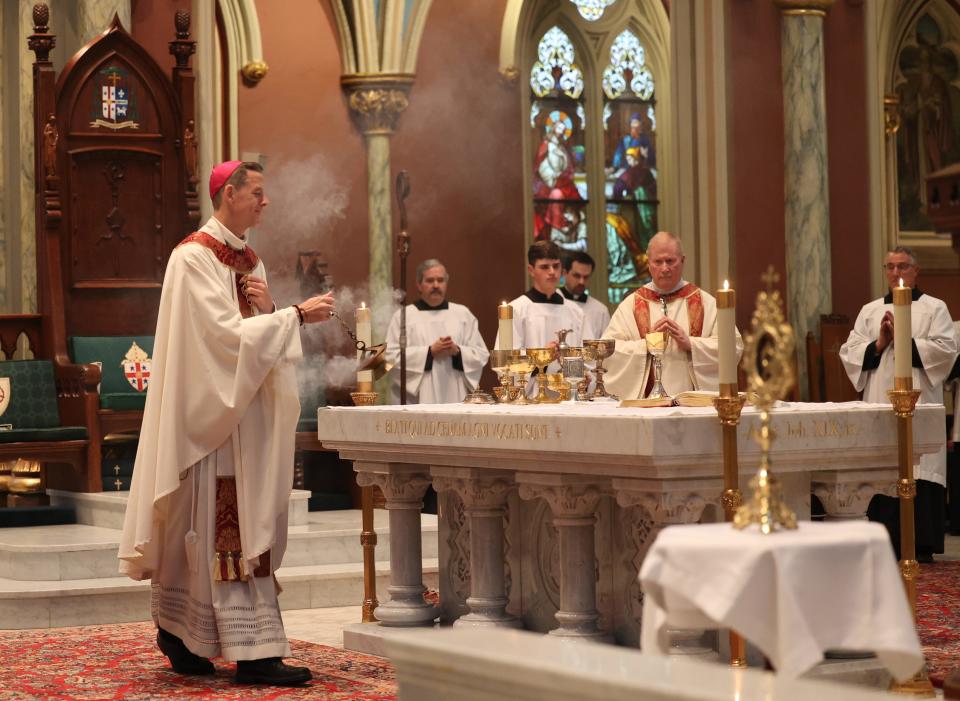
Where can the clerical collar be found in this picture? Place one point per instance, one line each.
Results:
(424, 307)
(574, 297)
(535, 295)
(229, 238)
(915, 294)
(664, 293)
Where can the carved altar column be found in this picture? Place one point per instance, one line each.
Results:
(484, 494)
(652, 508)
(573, 502)
(846, 495)
(806, 201)
(403, 487)
(376, 102)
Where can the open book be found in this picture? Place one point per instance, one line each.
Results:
(691, 398)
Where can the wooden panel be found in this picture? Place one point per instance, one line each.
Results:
(114, 97)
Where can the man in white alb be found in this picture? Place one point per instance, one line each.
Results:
(540, 312)
(683, 312)
(445, 351)
(206, 520)
(577, 269)
(867, 357)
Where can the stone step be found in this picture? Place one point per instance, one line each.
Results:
(80, 602)
(60, 553)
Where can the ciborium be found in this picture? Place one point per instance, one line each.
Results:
(500, 361)
(521, 366)
(600, 349)
(573, 369)
(656, 346)
(541, 358)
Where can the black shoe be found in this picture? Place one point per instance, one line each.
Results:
(181, 659)
(271, 670)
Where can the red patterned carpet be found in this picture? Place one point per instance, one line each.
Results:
(938, 617)
(121, 661)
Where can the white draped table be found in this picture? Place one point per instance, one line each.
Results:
(793, 594)
(547, 511)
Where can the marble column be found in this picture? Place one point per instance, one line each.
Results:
(806, 201)
(484, 495)
(403, 487)
(94, 16)
(573, 502)
(661, 508)
(846, 495)
(376, 102)
(25, 168)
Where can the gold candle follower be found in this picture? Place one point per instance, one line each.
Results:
(505, 311)
(726, 299)
(902, 296)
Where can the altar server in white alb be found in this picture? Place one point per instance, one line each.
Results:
(206, 520)
(684, 313)
(445, 351)
(577, 269)
(540, 312)
(867, 357)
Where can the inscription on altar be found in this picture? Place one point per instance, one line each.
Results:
(815, 428)
(505, 430)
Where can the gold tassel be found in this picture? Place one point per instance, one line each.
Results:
(217, 576)
(231, 574)
(244, 569)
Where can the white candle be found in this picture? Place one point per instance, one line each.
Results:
(505, 316)
(726, 334)
(902, 335)
(365, 334)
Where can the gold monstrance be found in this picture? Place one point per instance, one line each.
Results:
(768, 360)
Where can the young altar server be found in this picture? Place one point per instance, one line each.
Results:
(540, 312)
(577, 269)
(683, 312)
(867, 357)
(445, 351)
(206, 520)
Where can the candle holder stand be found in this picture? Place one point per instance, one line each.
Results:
(368, 535)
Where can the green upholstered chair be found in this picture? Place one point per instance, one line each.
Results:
(116, 391)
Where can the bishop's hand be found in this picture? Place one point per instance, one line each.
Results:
(257, 293)
(317, 308)
(676, 332)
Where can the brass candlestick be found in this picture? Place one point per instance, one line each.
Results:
(368, 535)
(904, 398)
(768, 355)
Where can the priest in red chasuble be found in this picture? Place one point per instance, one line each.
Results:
(206, 520)
(685, 314)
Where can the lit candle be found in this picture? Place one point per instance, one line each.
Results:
(365, 334)
(727, 335)
(505, 315)
(902, 336)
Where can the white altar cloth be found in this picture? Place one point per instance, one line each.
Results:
(793, 594)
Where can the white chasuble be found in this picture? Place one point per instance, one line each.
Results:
(433, 380)
(223, 400)
(630, 374)
(934, 351)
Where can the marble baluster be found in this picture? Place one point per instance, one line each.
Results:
(846, 495)
(806, 202)
(666, 508)
(403, 487)
(573, 503)
(484, 495)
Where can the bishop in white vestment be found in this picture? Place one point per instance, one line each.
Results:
(206, 519)
(868, 355)
(445, 351)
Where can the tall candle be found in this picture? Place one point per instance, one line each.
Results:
(505, 315)
(727, 334)
(902, 335)
(365, 334)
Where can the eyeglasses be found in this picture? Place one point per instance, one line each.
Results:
(664, 262)
(890, 267)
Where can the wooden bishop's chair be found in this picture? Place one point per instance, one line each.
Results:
(827, 381)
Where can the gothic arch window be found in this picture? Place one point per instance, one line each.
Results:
(591, 103)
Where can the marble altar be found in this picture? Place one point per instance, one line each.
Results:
(555, 506)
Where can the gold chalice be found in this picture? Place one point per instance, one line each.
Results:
(500, 363)
(542, 357)
(521, 366)
(656, 346)
(558, 385)
(599, 350)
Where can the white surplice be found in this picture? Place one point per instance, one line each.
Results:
(630, 367)
(934, 336)
(222, 400)
(596, 316)
(536, 323)
(442, 383)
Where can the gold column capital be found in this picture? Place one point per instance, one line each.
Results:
(804, 7)
(376, 100)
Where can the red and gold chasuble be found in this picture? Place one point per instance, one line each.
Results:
(230, 565)
(689, 292)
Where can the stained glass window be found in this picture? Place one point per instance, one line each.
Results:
(558, 121)
(592, 10)
(630, 165)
